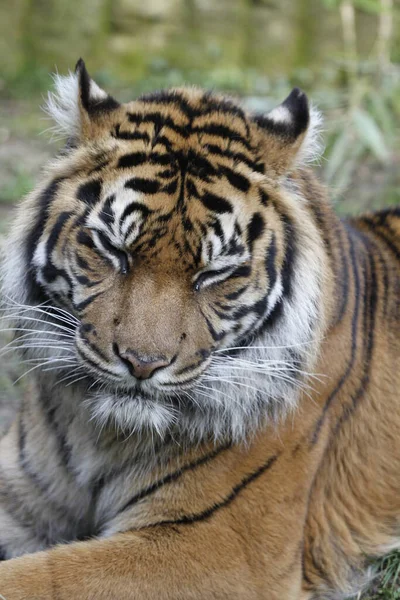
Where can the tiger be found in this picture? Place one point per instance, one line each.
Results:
(214, 400)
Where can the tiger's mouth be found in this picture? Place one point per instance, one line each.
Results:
(139, 392)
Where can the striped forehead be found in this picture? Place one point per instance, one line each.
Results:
(182, 160)
(126, 214)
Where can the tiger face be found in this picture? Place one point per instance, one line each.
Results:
(171, 233)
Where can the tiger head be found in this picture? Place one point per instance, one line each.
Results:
(169, 260)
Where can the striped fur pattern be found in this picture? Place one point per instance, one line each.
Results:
(213, 355)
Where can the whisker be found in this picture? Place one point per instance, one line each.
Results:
(42, 364)
(62, 327)
(287, 347)
(32, 331)
(39, 307)
(76, 380)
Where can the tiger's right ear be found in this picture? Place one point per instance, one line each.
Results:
(77, 103)
(290, 133)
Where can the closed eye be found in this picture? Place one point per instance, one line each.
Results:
(118, 257)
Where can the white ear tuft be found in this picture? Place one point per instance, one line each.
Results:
(312, 146)
(76, 101)
(63, 105)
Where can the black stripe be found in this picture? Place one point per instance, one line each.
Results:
(170, 188)
(56, 231)
(106, 214)
(274, 316)
(3, 553)
(236, 157)
(209, 512)
(255, 229)
(139, 184)
(120, 255)
(43, 489)
(50, 273)
(215, 273)
(49, 413)
(132, 160)
(270, 265)
(89, 192)
(237, 180)
(235, 295)
(354, 324)
(94, 348)
(169, 98)
(129, 135)
(160, 121)
(82, 263)
(95, 366)
(223, 131)
(134, 207)
(36, 294)
(216, 226)
(86, 282)
(80, 306)
(385, 273)
(84, 239)
(242, 271)
(370, 307)
(264, 197)
(12, 503)
(290, 256)
(212, 104)
(217, 337)
(344, 277)
(171, 477)
(382, 235)
(182, 161)
(200, 167)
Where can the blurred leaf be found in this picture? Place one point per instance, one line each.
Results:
(346, 171)
(338, 154)
(370, 134)
(331, 3)
(382, 112)
(371, 6)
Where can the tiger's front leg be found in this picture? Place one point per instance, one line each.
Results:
(164, 563)
(212, 529)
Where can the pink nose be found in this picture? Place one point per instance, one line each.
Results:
(142, 366)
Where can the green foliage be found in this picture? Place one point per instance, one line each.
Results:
(365, 127)
(388, 585)
(371, 6)
(19, 184)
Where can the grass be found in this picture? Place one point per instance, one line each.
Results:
(387, 584)
(19, 184)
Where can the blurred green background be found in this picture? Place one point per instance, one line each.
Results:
(344, 53)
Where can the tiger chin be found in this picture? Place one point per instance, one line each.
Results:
(214, 360)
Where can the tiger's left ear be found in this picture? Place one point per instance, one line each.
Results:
(290, 133)
(77, 103)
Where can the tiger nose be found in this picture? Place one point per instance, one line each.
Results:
(141, 365)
